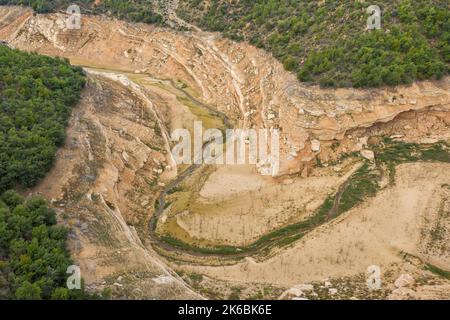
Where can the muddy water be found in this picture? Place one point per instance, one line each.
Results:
(204, 112)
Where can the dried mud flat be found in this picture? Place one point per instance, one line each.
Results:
(143, 82)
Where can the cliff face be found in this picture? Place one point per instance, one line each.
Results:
(246, 83)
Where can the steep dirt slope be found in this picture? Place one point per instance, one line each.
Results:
(104, 184)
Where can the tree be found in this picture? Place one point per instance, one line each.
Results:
(290, 63)
(28, 291)
(60, 294)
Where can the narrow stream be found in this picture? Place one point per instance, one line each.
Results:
(234, 252)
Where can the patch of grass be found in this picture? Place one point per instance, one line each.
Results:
(436, 153)
(196, 277)
(235, 293)
(438, 231)
(222, 250)
(401, 152)
(363, 184)
(208, 119)
(175, 190)
(438, 271)
(157, 204)
(167, 204)
(396, 152)
(393, 153)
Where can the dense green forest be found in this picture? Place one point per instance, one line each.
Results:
(131, 10)
(33, 254)
(36, 96)
(326, 42)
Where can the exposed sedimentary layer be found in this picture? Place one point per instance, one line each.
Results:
(238, 79)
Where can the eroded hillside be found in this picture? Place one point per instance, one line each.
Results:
(237, 79)
(104, 182)
(146, 81)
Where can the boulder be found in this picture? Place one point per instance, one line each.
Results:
(295, 292)
(298, 291)
(405, 280)
(368, 154)
(315, 145)
(400, 293)
(305, 287)
(332, 291)
(373, 141)
(125, 156)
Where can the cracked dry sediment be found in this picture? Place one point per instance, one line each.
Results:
(375, 233)
(107, 180)
(240, 80)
